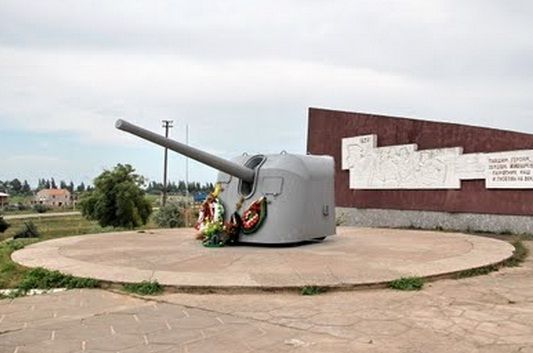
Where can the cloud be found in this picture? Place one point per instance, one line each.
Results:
(242, 74)
(433, 38)
(35, 160)
(32, 166)
(85, 92)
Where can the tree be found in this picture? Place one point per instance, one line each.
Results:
(26, 189)
(16, 186)
(154, 188)
(81, 187)
(41, 184)
(62, 184)
(172, 187)
(53, 184)
(117, 199)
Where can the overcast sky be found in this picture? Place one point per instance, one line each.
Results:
(242, 74)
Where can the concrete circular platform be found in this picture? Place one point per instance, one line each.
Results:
(355, 257)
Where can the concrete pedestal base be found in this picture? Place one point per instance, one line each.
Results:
(458, 222)
(356, 257)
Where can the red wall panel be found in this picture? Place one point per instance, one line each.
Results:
(327, 128)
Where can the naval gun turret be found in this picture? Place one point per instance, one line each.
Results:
(296, 191)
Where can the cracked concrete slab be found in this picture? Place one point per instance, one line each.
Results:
(491, 313)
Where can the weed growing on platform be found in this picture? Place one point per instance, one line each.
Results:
(144, 288)
(407, 283)
(40, 278)
(476, 271)
(312, 290)
(519, 255)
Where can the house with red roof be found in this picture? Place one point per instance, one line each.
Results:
(54, 197)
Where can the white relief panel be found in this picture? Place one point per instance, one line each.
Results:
(405, 167)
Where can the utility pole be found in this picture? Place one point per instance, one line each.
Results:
(187, 178)
(187, 162)
(167, 124)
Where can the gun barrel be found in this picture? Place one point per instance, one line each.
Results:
(239, 171)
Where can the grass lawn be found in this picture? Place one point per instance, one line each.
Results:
(32, 211)
(11, 273)
(60, 226)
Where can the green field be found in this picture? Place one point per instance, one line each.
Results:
(49, 227)
(60, 226)
(11, 273)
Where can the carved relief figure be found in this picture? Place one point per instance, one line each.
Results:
(432, 170)
(405, 166)
(363, 159)
(402, 166)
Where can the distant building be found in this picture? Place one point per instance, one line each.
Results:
(54, 197)
(4, 199)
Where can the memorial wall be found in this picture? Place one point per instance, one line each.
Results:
(426, 173)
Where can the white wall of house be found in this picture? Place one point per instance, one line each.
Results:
(54, 197)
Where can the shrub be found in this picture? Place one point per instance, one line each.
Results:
(29, 230)
(169, 216)
(22, 207)
(3, 225)
(40, 208)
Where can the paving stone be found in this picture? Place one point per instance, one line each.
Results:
(154, 348)
(176, 337)
(55, 346)
(469, 315)
(116, 342)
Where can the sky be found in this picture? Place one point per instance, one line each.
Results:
(242, 75)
